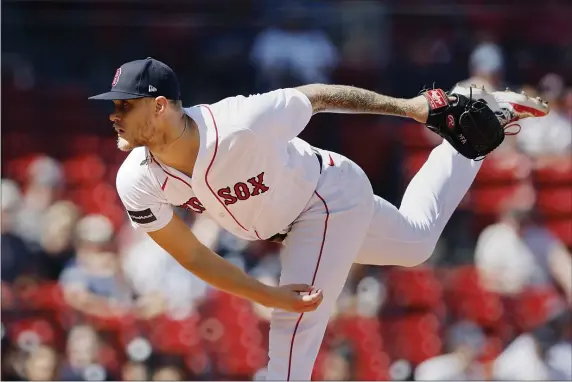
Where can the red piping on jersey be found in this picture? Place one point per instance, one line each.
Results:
(173, 176)
(257, 235)
(168, 173)
(210, 165)
(313, 280)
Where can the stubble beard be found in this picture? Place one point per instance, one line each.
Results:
(123, 145)
(145, 137)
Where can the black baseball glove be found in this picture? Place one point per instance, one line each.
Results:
(467, 123)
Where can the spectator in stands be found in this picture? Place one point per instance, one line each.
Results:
(160, 283)
(45, 185)
(13, 364)
(548, 140)
(364, 38)
(519, 252)
(169, 370)
(134, 371)
(41, 364)
(93, 282)
(56, 240)
(486, 66)
(339, 364)
(82, 351)
(466, 342)
(17, 258)
(293, 52)
(542, 354)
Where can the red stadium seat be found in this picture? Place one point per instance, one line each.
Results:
(493, 348)
(240, 347)
(368, 366)
(46, 300)
(232, 333)
(109, 151)
(534, 306)
(110, 358)
(17, 168)
(554, 174)
(363, 334)
(95, 198)
(414, 288)
(467, 299)
(242, 335)
(555, 201)
(240, 356)
(370, 148)
(495, 171)
(44, 296)
(372, 366)
(484, 308)
(360, 331)
(111, 175)
(414, 337)
(39, 328)
(122, 326)
(230, 309)
(175, 336)
(87, 169)
(414, 160)
(198, 361)
(80, 144)
(415, 136)
(491, 200)
(317, 372)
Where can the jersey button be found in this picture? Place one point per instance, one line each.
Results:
(222, 215)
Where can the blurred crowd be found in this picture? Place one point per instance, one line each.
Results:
(85, 297)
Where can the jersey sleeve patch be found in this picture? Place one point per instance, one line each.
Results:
(142, 217)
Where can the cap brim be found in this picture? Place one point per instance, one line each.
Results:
(112, 95)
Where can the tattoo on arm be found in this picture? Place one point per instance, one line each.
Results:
(349, 99)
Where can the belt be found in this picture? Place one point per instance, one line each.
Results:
(279, 237)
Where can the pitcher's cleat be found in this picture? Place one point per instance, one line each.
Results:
(508, 106)
(519, 106)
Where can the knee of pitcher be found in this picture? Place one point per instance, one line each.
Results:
(418, 256)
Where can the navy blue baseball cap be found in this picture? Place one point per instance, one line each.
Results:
(143, 78)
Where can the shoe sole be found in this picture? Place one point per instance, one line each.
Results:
(522, 103)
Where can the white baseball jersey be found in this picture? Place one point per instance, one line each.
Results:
(252, 174)
(256, 178)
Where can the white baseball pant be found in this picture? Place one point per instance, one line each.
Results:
(343, 223)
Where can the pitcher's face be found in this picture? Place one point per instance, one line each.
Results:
(134, 122)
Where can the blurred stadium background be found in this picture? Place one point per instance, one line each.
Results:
(84, 297)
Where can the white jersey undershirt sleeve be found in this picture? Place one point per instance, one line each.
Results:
(281, 113)
(141, 195)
